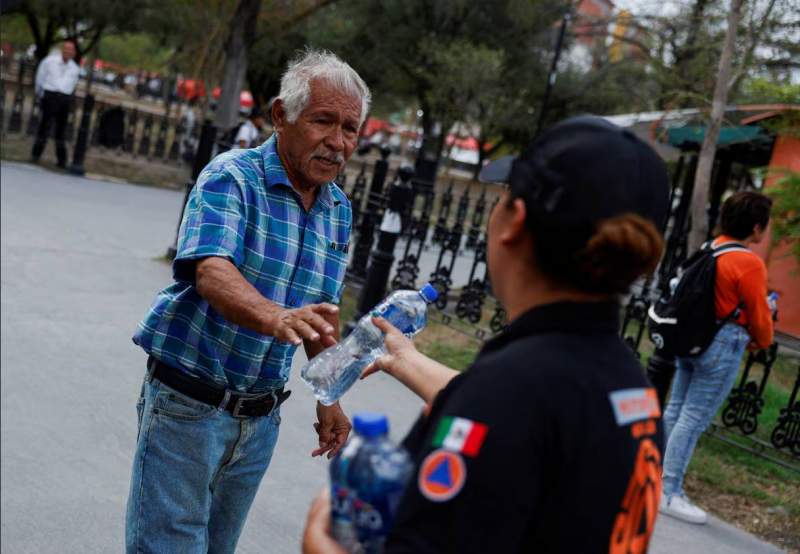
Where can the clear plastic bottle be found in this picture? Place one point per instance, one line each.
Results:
(333, 371)
(377, 475)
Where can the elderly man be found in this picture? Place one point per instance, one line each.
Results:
(259, 270)
(56, 79)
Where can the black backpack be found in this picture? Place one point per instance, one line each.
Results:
(683, 321)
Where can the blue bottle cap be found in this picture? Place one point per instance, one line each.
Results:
(429, 293)
(369, 424)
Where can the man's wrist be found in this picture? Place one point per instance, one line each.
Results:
(269, 322)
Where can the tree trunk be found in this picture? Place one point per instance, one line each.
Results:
(705, 164)
(240, 38)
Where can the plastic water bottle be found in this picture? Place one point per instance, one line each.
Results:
(334, 370)
(772, 302)
(342, 520)
(377, 475)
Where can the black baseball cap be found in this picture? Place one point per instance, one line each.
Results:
(585, 169)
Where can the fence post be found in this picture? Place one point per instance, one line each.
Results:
(161, 140)
(208, 135)
(366, 231)
(15, 122)
(357, 195)
(130, 133)
(79, 153)
(144, 143)
(746, 401)
(2, 104)
(440, 230)
(442, 276)
(400, 194)
(786, 433)
(95, 139)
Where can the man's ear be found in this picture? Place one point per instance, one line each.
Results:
(278, 115)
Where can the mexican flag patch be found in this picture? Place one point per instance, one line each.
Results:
(460, 435)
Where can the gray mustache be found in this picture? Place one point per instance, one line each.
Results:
(333, 157)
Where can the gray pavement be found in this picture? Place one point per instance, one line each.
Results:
(79, 265)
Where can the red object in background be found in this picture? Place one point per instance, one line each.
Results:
(469, 143)
(374, 125)
(245, 98)
(190, 89)
(782, 267)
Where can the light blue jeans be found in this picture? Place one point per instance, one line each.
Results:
(701, 385)
(195, 473)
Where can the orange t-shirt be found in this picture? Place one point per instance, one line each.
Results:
(742, 277)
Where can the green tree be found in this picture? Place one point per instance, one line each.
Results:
(455, 60)
(785, 216)
(83, 21)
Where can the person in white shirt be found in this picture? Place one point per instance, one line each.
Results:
(56, 79)
(247, 137)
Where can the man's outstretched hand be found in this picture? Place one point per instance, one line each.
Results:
(308, 322)
(333, 428)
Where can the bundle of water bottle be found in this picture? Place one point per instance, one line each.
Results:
(369, 474)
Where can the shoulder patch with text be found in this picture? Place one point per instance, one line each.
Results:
(631, 405)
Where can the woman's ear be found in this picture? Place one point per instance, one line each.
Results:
(514, 228)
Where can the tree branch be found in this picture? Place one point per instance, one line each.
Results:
(287, 24)
(753, 39)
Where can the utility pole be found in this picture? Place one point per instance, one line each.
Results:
(551, 76)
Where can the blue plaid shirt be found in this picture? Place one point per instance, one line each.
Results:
(244, 209)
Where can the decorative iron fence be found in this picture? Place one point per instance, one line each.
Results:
(444, 241)
(136, 131)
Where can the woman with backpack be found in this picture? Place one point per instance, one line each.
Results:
(702, 382)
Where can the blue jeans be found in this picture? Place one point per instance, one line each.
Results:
(195, 473)
(700, 386)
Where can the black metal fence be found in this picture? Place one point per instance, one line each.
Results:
(154, 133)
(444, 242)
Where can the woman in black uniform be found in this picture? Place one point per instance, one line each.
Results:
(552, 440)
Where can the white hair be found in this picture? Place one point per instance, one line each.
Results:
(319, 64)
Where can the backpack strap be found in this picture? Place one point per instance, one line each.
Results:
(719, 251)
(728, 247)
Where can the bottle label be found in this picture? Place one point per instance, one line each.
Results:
(341, 503)
(342, 527)
(373, 520)
(396, 317)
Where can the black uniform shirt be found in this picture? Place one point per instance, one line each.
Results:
(551, 442)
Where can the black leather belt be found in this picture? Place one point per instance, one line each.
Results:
(240, 405)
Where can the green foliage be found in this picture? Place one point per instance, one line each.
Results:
(785, 193)
(760, 90)
(134, 50)
(456, 357)
(14, 29)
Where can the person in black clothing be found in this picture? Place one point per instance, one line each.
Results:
(552, 440)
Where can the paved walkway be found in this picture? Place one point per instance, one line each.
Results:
(79, 263)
